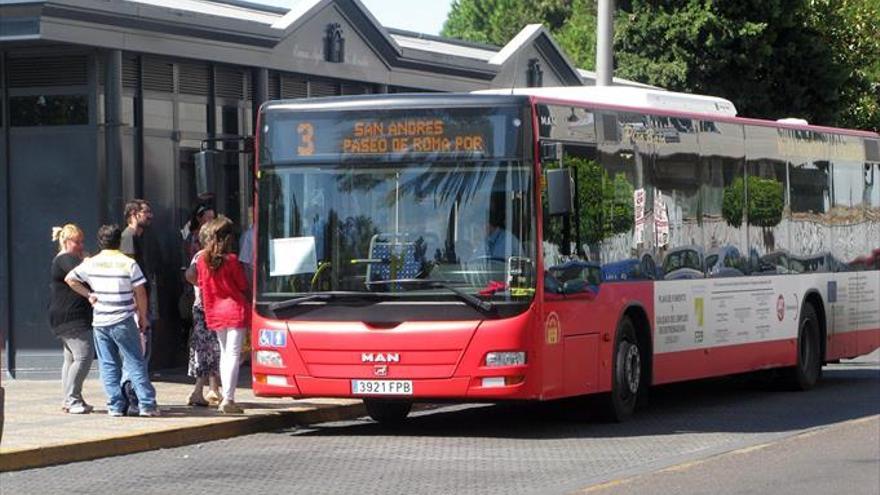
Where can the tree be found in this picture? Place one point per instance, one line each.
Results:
(577, 36)
(765, 205)
(604, 205)
(761, 54)
(815, 59)
(497, 21)
(852, 29)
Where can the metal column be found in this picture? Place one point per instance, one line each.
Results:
(111, 209)
(604, 44)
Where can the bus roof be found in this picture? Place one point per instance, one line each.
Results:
(654, 99)
(660, 101)
(611, 97)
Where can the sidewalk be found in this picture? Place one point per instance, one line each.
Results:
(37, 433)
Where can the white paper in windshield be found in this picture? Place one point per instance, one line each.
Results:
(292, 256)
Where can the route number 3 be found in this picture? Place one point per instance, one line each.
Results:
(306, 133)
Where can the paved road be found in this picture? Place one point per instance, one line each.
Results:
(812, 442)
(841, 459)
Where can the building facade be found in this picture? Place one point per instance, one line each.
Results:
(102, 101)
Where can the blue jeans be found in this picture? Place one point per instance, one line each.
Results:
(119, 351)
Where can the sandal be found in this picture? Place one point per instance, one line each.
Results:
(197, 401)
(213, 398)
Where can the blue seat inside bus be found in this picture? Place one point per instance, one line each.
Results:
(392, 257)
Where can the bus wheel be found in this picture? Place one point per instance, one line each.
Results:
(388, 411)
(805, 374)
(627, 376)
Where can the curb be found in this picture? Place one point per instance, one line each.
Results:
(176, 437)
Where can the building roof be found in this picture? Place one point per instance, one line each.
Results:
(226, 31)
(237, 10)
(416, 41)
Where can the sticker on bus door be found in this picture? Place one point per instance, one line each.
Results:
(553, 328)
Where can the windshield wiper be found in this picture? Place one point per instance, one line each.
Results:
(471, 300)
(323, 296)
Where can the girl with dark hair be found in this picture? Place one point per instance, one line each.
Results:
(203, 214)
(225, 299)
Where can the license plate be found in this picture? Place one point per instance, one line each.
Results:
(381, 387)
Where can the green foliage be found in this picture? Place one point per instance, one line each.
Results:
(732, 203)
(852, 29)
(815, 59)
(621, 210)
(761, 54)
(497, 21)
(604, 205)
(766, 202)
(577, 36)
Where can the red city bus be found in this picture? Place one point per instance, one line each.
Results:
(554, 242)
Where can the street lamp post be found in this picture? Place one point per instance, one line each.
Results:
(604, 40)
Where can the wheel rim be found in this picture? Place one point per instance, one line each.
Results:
(632, 369)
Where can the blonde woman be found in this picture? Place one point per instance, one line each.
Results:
(225, 300)
(70, 316)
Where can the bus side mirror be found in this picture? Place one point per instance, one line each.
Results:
(205, 170)
(560, 192)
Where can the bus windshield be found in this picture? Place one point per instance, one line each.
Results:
(415, 224)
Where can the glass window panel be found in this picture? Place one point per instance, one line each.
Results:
(625, 247)
(849, 193)
(722, 198)
(40, 110)
(809, 178)
(766, 190)
(460, 223)
(676, 201)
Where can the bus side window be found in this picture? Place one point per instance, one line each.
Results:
(567, 238)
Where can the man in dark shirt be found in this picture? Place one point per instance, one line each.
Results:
(137, 243)
(138, 216)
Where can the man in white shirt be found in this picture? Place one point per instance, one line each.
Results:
(117, 294)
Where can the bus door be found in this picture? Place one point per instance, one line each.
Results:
(572, 273)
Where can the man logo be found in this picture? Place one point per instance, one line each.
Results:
(380, 370)
(380, 357)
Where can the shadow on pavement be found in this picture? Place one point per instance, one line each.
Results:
(731, 405)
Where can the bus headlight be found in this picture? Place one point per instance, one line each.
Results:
(271, 359)
(495, 359)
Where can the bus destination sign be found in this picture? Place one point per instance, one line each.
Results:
(375, 136)
(458, 133)
(410, 135)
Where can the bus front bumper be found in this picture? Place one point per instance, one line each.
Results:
(504, 385)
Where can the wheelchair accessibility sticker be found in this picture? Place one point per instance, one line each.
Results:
(272, 338)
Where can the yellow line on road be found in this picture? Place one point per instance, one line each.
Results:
(684, 466)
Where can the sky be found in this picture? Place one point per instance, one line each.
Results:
(421, 16)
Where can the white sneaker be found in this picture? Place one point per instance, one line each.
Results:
(80, 409)
(230, 407)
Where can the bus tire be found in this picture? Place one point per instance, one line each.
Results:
(388, 411)
(805, 374)
(627, 376)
